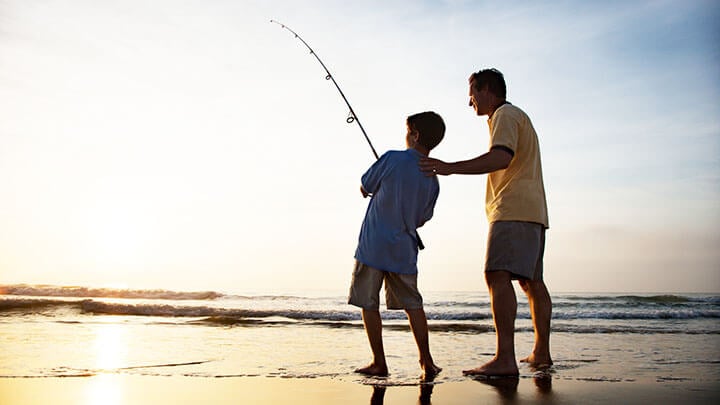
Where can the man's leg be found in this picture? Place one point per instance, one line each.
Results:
(373, 328)
(418, 324)
(504, 309)
(541, 311)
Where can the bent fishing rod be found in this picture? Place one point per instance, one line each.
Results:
(352, 117)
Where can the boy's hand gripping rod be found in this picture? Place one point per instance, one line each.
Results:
(352, 117)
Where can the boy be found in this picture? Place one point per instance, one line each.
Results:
(402, 200)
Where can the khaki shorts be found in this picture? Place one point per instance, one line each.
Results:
(516, 247)
(400, 289)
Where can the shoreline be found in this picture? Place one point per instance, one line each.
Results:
(139, 389)
(270, 349)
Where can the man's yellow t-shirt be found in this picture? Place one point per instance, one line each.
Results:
(516, 193)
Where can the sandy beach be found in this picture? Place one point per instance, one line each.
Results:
(66, 348)
(132, 389)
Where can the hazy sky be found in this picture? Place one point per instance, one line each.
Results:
(195, 145)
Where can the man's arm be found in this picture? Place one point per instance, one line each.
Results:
(495, 159)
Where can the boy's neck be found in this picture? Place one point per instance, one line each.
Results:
(423, 150)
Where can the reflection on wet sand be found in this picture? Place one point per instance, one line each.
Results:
(507, 387)
(425, 394)
(378, 394)
(543, 382)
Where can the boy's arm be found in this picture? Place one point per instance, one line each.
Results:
(430, 209)
(370, 181)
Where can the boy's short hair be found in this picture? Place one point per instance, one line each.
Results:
(430, 127)
(493, 79)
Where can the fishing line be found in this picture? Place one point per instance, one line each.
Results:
(352, 117)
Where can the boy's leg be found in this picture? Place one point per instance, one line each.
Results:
(365, 293)
(373, 328)
(402, 293)
(418, 324)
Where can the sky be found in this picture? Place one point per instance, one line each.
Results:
(194, 145)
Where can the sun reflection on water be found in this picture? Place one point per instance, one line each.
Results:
(104, 389)
(110, 346)
(110, 349)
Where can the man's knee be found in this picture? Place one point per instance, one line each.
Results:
(370, 312)
(533, 288)
(414, 311)
(497, 277)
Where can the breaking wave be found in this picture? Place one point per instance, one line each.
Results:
(73, 291)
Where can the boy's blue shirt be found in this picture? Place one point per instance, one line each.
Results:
(403, 199)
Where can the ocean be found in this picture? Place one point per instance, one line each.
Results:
(61, 331)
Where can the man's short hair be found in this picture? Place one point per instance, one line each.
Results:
(493, 79)
(430, 127)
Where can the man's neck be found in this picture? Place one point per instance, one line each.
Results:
(498, 104)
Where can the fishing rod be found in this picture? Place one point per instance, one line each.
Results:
(352, 117)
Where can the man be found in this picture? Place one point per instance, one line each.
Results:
(403, 199)
(517, 214)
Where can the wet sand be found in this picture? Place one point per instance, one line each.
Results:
(110, 389)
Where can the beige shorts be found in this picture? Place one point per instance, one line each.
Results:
(516, 247)
(401, 290)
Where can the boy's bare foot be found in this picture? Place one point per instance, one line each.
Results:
(373, 369)
(494, 368)
(430, 372)
(539, 362)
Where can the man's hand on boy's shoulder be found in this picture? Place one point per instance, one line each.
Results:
(433, 167)
(365, 194)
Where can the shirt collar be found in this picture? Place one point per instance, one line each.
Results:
(414, 151)
(497, 108)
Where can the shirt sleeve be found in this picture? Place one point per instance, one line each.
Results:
(370, 181)
(505, 130)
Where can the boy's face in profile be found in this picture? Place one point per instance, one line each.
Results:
(411, 139)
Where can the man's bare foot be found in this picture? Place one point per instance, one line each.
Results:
(539, 362)
(430, 372)
(373, 369)
(495, 368)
